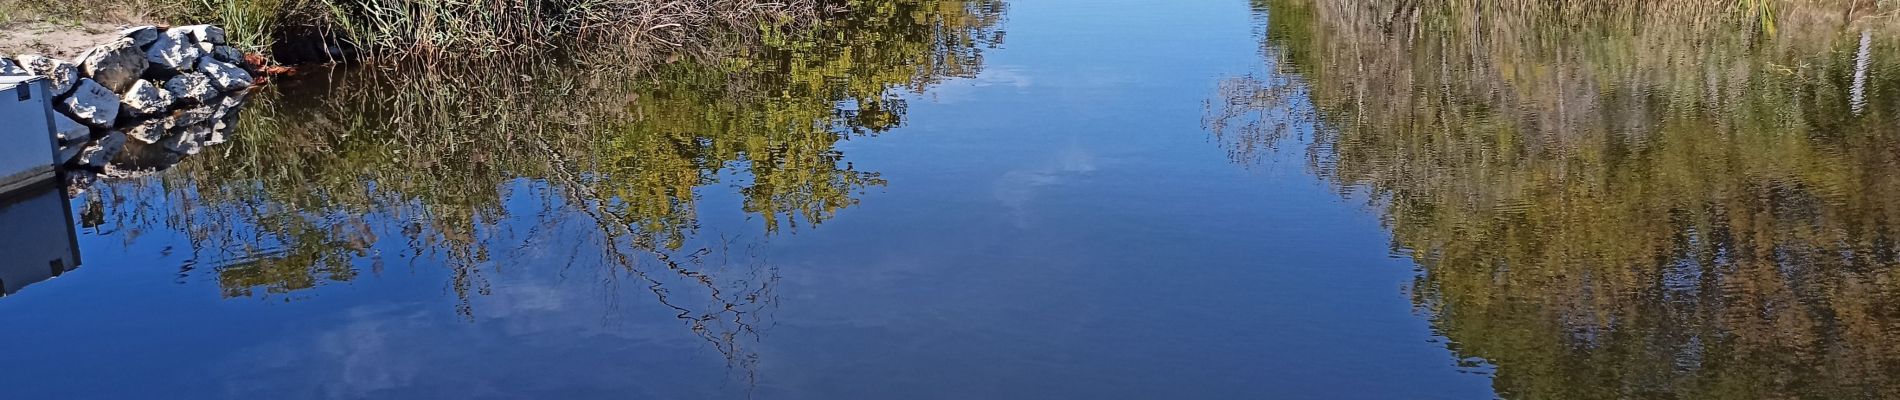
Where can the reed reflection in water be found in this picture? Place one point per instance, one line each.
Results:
(577, 168)
(1613, 200)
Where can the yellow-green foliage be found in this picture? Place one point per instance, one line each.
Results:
(1618, 200)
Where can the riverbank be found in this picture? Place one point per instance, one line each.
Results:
(315, 31)
(255, 34)
(141, 99)
(54, 39)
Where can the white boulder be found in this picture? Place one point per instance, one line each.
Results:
(145, 98)
(193, 87)
(91, 104)
(174, 51)
(60, 75)
(224, 76)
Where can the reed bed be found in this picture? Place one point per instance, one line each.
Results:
(446, 29)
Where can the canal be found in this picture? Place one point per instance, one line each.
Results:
(965, 199)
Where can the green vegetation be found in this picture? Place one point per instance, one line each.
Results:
(1605, 199)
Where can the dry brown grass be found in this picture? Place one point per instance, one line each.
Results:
(427, 29)
(87, 11)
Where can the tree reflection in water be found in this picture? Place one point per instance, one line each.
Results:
(1609, 200)
(485, 167)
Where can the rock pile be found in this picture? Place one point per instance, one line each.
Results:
(144, 100)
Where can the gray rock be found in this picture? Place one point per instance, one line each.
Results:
(227, 117)
(225, 76)
(202, 33)
(91, 104)
(8, 68)
(68, 154)
(221, 52)
(227, 105)
(142, 36)
(115, 65)
(187, 141)
(174, 51)
(145, 98)
(70, 132)
(195, 115)
(164, 95)
(194, 88)
(233, 100)
(150, 131)
(216, 137)
(145, 156)
(103, 150)
(228, 54)
(77, 181)
(61, 76)
(224, 127)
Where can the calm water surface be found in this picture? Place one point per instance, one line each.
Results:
(1035, 199)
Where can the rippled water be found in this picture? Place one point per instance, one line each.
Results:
(974, 199)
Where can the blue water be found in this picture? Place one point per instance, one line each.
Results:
(1058, 226)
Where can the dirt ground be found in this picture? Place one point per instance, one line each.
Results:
(63, 40)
